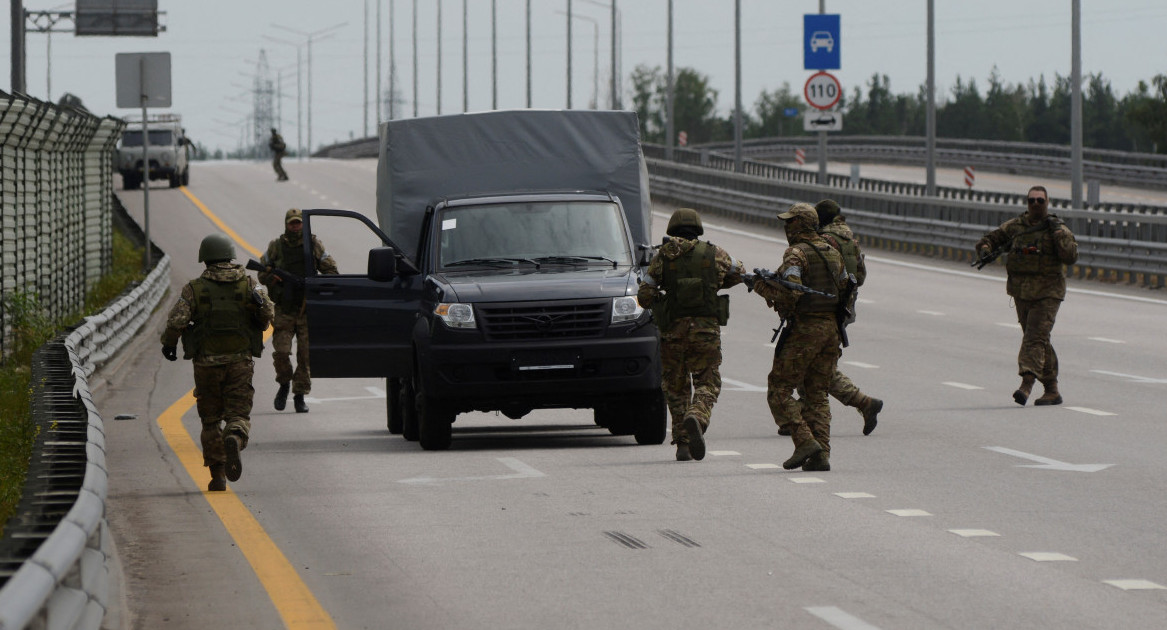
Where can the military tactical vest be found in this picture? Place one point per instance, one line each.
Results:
(291, 260)
(1034, 252)
(690, 282)
(222, 324)
(820, 276)
(850, 251)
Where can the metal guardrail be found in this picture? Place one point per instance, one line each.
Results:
(772, 170)
(1106, 165)
(53, 556)
(1124, 246)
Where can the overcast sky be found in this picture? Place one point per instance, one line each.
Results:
(215, 46)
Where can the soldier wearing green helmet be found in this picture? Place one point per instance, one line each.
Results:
(681, 288)
(220, 318)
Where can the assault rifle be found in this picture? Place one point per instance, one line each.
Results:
(773, 278)
(291, 282)
(1050, 222)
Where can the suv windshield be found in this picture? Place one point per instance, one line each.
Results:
(160, 137)
(540, 233)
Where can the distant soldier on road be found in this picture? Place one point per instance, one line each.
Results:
(835, 231)
(220, 317)
(278, 149)
(286, 254)
(807, 353)
(683, 280)
(1039, 246)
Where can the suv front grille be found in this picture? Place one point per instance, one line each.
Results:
(555, 320)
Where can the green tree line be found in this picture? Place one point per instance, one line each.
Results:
(1037, 111)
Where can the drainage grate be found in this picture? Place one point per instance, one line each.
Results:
(678, 538)
(626, 540)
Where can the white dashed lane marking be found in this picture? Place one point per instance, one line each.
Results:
(1134, 585)
(839, 618)
(909, 512)
(1009, 324)
(1106, 340)
(807, 480)
(1132, 377)
(1047, 556)
(859, 364)
(739, 386)
(762, 466)
(855, 495)
(961, 385)
(973, 533)
(934, 313)
(723, 453)
(1093, 412)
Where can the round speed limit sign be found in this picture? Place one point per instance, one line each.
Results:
(822, 90)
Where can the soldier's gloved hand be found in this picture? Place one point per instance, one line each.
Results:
(170, 352)
(256, 297)
(984, 253)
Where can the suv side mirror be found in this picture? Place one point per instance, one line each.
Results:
(644, 254)
(382, 264)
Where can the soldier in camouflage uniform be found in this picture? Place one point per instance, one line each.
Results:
(835, 231)
(220, 317)
(681, 288)
(278, 149)
(287, 254)
(1039, 246)
(807, 353)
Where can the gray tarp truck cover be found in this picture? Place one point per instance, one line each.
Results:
(423, 160)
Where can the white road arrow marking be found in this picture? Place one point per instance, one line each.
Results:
(1047, 463)
(522, 471)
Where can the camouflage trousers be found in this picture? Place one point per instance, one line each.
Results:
(277, 164)
(690, 374)
(284, 329)
(1037, 354)
(807, 362)
(223, 396)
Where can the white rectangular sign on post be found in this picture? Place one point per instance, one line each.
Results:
(142, 74)
(816, 120)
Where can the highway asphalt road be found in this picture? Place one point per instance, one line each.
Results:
(961, 510)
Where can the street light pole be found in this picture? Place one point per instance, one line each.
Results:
(1076, 106)
(309, 38)
(669, 91)
(569, 54)
(930, 119)
(737, 89)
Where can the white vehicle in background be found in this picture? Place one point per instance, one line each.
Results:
(167, 149)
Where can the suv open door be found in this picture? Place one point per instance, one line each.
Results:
(360, 325)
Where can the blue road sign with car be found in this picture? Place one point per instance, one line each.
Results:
(820, 35)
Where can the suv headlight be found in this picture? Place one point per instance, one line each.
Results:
(456, 315)
(626, 309)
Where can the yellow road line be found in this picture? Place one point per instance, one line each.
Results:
(219, 222)
(295, 603)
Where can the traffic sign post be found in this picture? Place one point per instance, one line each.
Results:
(143, 80)
(822, 90)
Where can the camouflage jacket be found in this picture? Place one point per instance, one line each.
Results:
(1037, 254)
(795, 261)
(836, 233)
(729, 273)
(181, 314)
(274, 257)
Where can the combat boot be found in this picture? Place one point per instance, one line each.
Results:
(870, 409)
(231, 446)
(804, 452)
(785, 430)
(696, 438)
(819, 462)
(683, 454)
(1051, 395)
(282, 396)
(1022, 393)
(299, 404)
(218, 478)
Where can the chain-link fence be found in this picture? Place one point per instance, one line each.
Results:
(56, 184)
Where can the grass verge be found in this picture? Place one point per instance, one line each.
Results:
(31, 330)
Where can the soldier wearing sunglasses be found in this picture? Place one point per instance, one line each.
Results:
(1038, 246)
